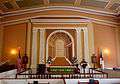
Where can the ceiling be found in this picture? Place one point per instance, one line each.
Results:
(102, 5)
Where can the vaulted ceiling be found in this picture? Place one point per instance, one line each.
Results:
(102, 5)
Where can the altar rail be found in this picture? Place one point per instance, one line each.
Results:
(93, 73)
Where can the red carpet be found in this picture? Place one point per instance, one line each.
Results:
(60, 61)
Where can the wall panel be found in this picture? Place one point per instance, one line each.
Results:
(105, 38)
(14, 36)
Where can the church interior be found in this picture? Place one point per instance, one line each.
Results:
(59, 41)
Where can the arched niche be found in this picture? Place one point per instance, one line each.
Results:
(60, 42)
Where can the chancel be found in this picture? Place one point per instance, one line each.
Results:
(59, 41)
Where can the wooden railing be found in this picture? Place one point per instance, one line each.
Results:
(93, 73)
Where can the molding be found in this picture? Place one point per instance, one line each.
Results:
(78, 9)
(108, 24)
(73, 21)
(53, 28)
(59, 20)
(15, 22)
(36, 21)
(88, 19)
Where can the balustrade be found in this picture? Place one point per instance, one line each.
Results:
(31, 74)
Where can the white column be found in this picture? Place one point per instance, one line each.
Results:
(86, 45)
(79, 47)
(34, 49)
(42, 46)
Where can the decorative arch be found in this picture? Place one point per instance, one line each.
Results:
(58, 31)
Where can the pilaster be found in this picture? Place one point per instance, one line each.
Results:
(42, 46)
(86, 45)
(34, 49)
(79, 44)
(90, 40)
(29, 41)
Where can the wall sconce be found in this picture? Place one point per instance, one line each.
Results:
(106, 54)
(106, 51)
(13, 52)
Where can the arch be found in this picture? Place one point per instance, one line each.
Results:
(63, 31)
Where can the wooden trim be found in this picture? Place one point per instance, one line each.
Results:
(33, 10)
(68, 21)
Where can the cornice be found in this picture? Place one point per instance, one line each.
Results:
(73, 21)
(78, 9)
(60, 21)
(59, 25)
(14, 22)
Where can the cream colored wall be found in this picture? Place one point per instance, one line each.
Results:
(105, 37)
(14, 36)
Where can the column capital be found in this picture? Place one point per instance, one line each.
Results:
(42, 29)
(79, 29)
(34, 30)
